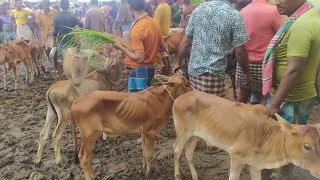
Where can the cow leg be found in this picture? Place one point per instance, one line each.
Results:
(255, 173)
(143, 152)
(31, 70)
(189, 149)
(149, 141)
(14, 70)
(178, 147)
(56, 136)
(44, 134)
(236, 166)
(27, 69)
(5, 77)
(85, 154)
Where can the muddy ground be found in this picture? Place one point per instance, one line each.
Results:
(22, 115)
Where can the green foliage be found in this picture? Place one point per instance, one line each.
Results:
(197, 2)
(87, 39)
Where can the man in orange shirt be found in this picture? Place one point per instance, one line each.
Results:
(146, 42)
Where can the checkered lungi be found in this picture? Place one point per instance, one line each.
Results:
(140, 78)
(296, 112)
(208, 83)
(255, 70)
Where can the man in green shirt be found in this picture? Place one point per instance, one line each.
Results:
(297, 59)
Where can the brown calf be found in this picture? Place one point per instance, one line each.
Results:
(117, 113)
(61, 95)
(246, 132)
(37, 54)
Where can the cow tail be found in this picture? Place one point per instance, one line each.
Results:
(74, 139)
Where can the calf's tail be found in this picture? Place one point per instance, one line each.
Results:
(74, 139)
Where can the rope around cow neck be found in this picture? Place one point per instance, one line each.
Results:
(169, 92)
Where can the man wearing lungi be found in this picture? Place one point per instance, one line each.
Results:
(145, 41)
(44, 19)
(262, 21)
(290, 65)
(213, 29)
(20, 16)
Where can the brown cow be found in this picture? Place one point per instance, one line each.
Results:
(37, 54)
(61, 95)
(174, 40)
(10, 54)
(118, 113)
(246, 132)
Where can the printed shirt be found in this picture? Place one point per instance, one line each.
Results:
(262, 21)
(215, 28)
(45, 22)
(21, 17)
(301, 40)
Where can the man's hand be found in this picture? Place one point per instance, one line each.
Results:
(247, 79)
(273, 109)
(175, 68)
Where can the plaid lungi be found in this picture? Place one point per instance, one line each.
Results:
(208, 83)
(255, 70)
(140, 78)
(296, 112)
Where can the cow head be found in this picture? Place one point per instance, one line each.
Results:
(6, 53)
(302, 145)
(176, 85)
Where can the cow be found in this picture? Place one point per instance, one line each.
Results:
(174, 40)
(10, 54)
(61, 95)
(118, 113)
(37, 54)
(247, 132)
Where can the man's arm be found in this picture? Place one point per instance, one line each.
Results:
(137, 55)
(299, 42)
(288, 82)
(184, 48)
(86, 22)
(158, 15)
(242, 58)
(55, 31)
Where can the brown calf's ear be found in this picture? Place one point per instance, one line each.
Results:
(284, 124)
(161, 78)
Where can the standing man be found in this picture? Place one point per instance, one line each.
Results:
(62, 24)
(290, 65)
(163, 15)
(145, 42)
(44, 20)
(123, 20)
(95, 19)
(262, 21)
(213, 29)
(20, 16)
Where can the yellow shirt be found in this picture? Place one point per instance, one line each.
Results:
(163, 15)
(21, 17)
(45, 22)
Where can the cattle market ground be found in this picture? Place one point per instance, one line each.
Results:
(22, 115)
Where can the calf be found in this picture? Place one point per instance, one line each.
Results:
(37, 54)
(117, 113)
(9, 55)
(246, 132)
(61, 95)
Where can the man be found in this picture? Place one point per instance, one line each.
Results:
(145, 42)
(294, 57)
(62, 24)
(44, 19)
(123, 20)
(213, 29)
(95, 19)
(175, 16)
(76, 11)
(20, 16)
(162, 14)
(262, 21)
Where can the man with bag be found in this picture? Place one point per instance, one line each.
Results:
(290, 65)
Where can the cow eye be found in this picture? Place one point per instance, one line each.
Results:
(307, 147)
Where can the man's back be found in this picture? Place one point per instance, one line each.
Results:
(262, 21)
(146, 35)
(163, 15)
(95, 20)
(301, 40)
(62, 24)
(214, 27)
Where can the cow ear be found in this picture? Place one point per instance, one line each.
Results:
(161, 78)
(284, 124)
